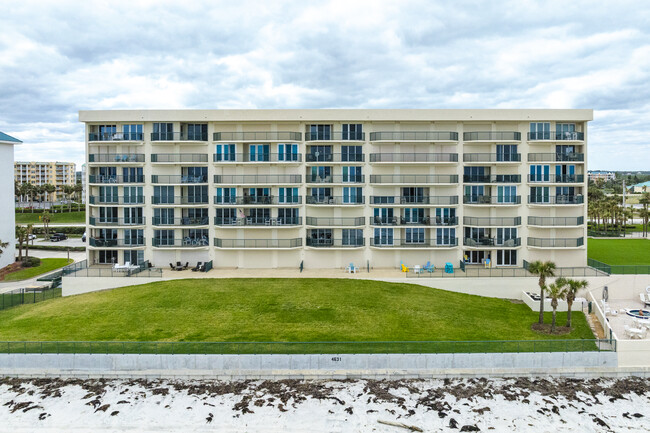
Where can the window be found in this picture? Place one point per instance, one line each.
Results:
(540, 131)
(352, 195)
(352, 174)
(319, 132)
(446, 236)
(321, 174)
(225, 195)
(225, 152)
(132, 174)
(288, 195)
(506, 257)
(257, 195)
(226, 216)
(413, 195)
(108, 194)
(320, 153)
(163, 194)
(132, 132)
(474, 193)
(288, 152)
(413, 215)
(414, 236)
(195, 216)
(539, 173)
(352, 237)
(195, 237)
(163, 237)
(445, 216)
(258, 216)
(134, 237)
(476, 174)
(565, 131)
(259, 152)
(133, 195)
(505, 234)
(107, 257)
(383, 236)
(288, 216)
(539, 194)
(107, 132)
(197, 194)
(506, 194)
(352, 131)
(133, 215)
(195, 175)
(351, 153)
(196, 131)
(108, 215)
(383, 215)
(163, 131)
(320, 237)
(507, 152)
(135, 257)
(163, 216)
(108, 174)
(321, 195)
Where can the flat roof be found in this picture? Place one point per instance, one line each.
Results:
(5, 138)
(307, 115)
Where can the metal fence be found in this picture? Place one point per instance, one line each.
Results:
(28, 296)
(317, 347)
(479, 271)
(619, 269)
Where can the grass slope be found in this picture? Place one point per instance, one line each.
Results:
(275, 310)
(47, 265)
(620, 251)
(55, 218)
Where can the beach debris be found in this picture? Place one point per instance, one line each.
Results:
(401, 425)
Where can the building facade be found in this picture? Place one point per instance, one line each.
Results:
(595, 175)
(40, 173)
(640, 188)
(325, 188)
(8, 218)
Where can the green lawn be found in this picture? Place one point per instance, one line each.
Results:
(55, 218)
(620, 251)
(47, 265)
(280, 310)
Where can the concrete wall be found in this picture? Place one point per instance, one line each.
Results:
(633, 353)
(7, 218)
(78, 285)
(534, 305)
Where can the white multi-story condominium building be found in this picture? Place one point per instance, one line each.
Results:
(43, 172)
(277, 188)
(595, 175)
(7, 218)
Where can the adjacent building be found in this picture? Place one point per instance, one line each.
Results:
(640, 187)
(595, 175)
(7, 218)
(40, 173)
(325, 188)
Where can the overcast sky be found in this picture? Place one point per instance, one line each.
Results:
(59, 57)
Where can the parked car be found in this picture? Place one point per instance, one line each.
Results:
(32, 237)
(56, 237)
(83, 237)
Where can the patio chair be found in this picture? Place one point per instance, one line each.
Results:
(429, 267)
(179, 264)
(645, 299)
(351, 268)
(404, 267)
(187, 264)
(197, 267)
(172, 267)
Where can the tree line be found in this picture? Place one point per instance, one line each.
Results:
(39, 192)
(607, 214)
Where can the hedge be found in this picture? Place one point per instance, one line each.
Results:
(68, 230)
(55, 248)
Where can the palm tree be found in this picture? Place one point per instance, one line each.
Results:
(46, 223)
(3, 245)
(30, 228)
(68, 190)
(572, 287)
(555, 292)
(21, 235)
(543, 270)
(49, 189)
(24, 192)
(78, 188)
(645, 201)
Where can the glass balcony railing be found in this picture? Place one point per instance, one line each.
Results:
(115, 221)
(178, 136)
(556, 157)
(413, 243)
(258, 200)
(556, 136)
(115, 136)
(136, 178)
(491, 157)
(556, 242)
(358, 178)
(108, 200)
(494, 178)
(263, 157)
(492, 199)
(183, 221)
(415, 200)
(492, 221)
(556, 221)
(254, 179)
(414, 178)
(179, 200)
(414, 136)
(186, 242)
(108, 243)
(425, 221)
(413, 157)
(116, 157)
(492, 136)
(556, 178)
(335, 200)
(179, 157)
(258, 136)
(335, 136)
(335, 243)
(556, 199)
(492, 242)
(335, 222)
(258, 221)
(334, 157)
(257, 243)
(178, 179)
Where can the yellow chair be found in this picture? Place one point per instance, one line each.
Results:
(404, 268)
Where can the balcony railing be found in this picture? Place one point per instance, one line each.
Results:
(136, 178)
(556, 242)
(556, 221)
(357, 178)
(257, 221)
(263, 157)
(492, 157)
(556, 178)
(413, 178)
(186, 242)
(114, 221)
(179, 157)
(556, 136)
(107, 243)
(335, 200)
(335, 136)
(334, 157)
(408, 243)
(258, 200)
(492, 136)
(115, 157)
(108, 200)
(178, 136)
(492, 242)
(414, 136)
(116, 136)
(178, 179)
(258, 136)
(491, 221)
(492, 199)
(253, 179)
(556, 157)
(402, 221)
(335, 243)
(257, 243)
(494, 178)
(413, 157)
(434, 200)
(335, 222)
(179, 199)
(556, 199)
(183, 221)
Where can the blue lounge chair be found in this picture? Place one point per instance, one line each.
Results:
(449, 268)
(429, 267)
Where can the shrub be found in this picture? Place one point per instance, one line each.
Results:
(59, 229)
(31, 262)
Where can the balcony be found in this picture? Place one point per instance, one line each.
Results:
(556, 221)
(185, 221)
(492, 157)
(491, 221)
(335, 200)
(335, 222)
(258, 200)
(179, 200)
(492, 200)
(119, 158)
(179, 157)
(114, 221)
(426, 221)
(259, 222)
(258, 243)
(115, 200)
(414, 136)
(115, 179)
(405, 243)
(492, 136)
(556, 136)
(494, 178)
(178, 136)
(556, 242)
(555, 199)
(186, 242)
(376, 200)
(335, 179)
(111, 243)
(556, 157)
(229, 158)
(334, 157)
(178, 179)
(556, 178)
(413, 179)
(257, 136)
(335, 243)
(492, 242)
(116, 136)
(335, 136)
(258, 179)
(413, 157)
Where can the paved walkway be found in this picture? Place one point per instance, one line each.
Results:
(13, 285)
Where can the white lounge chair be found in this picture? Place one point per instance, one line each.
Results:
(647, 290)
(645, 299)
